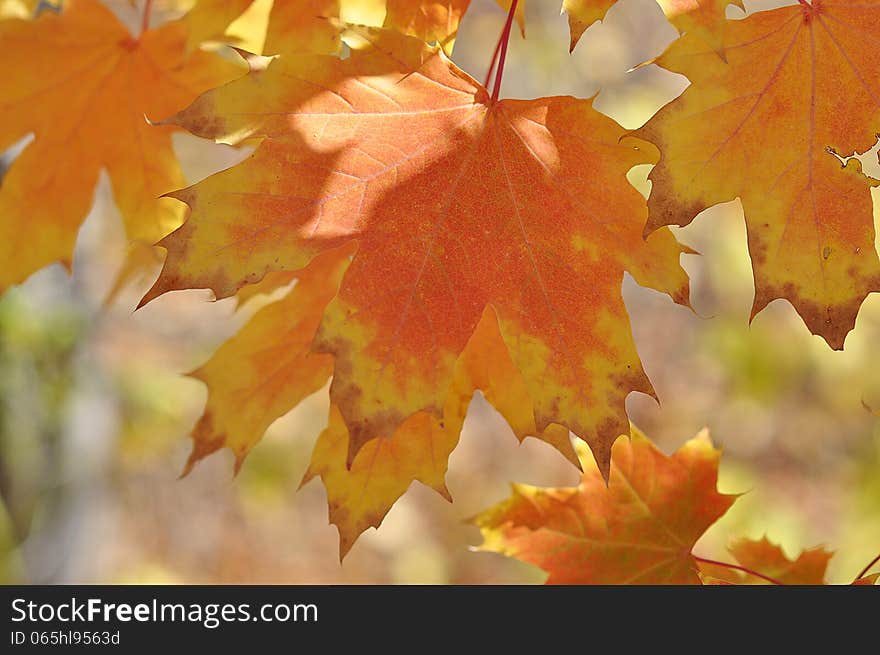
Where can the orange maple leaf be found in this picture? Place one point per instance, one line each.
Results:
(767, 558)
(777, 126)
(457, 202)
(83, 90)
(639, 529)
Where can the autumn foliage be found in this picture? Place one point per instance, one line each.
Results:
(435, 239)
(642, 526)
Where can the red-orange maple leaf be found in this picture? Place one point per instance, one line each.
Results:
(639, 529)
(768, 559)
(456, 202)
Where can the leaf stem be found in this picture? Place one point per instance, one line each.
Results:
(503, 41)
(493, 62)
(865, 570)
(737, 567)
(145, 20)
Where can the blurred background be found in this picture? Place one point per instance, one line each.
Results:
(95, 411)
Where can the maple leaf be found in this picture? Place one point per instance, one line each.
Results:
(83, 90)
(457, 202)
(767, 558)
(639, 529)
(776, 126)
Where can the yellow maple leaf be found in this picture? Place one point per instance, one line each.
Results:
(84, 90)
(777, 126)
